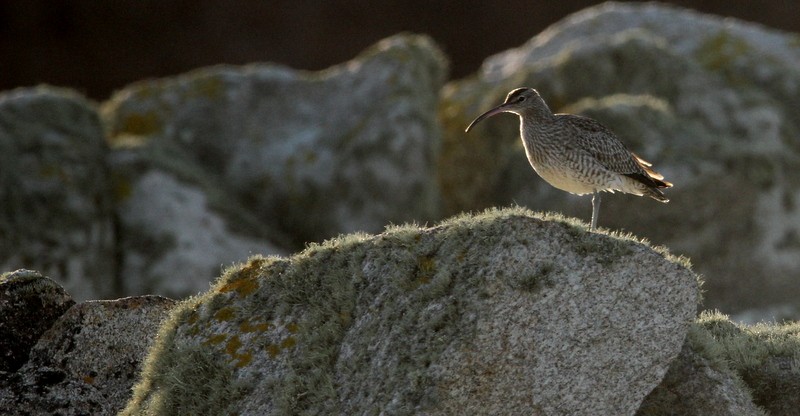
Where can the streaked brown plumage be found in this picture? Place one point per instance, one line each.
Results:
(577, 154)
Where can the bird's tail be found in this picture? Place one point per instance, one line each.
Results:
(656, 194)
(652, 180)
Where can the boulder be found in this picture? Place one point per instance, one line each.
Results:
(57, 211)
(711, 101)
(275, 155)
(695, 386)
(29, 304)
(503, 312)
(314, 154)
(726, 368)
(87, 362)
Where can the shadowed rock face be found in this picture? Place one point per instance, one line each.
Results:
(501, 312)
(56, 212)
(87, 361)
(29, 304)
(711, 101)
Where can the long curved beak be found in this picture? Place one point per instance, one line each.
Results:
(499, 109)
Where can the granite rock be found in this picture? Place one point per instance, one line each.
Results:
(504, 312)
(87, 362)
(29, 304)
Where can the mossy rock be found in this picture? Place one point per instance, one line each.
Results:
(505, 310)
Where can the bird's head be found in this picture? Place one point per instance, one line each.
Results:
(520, 102)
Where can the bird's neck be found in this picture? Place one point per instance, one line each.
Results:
(533, 131)
(533, 123)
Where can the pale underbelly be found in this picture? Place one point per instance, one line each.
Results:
(574, 183)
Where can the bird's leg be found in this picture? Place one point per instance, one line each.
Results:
(595, 209)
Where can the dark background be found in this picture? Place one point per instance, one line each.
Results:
(97, 46)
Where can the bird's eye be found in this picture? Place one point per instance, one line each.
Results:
(521, 99)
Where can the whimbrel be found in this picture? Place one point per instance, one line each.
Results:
(577, 154)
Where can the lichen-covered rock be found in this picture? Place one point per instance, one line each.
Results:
(29, 304)
(56, 211)
(499, 313)
(694, 386)
(272, 154)
(765, 356)
(88, 361)
(712, 101)
(178, 234)
(226, 161)
(727, 368)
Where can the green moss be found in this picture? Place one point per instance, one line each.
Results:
(27, 282)
(541, 276)
(182, 394)
(764, 356)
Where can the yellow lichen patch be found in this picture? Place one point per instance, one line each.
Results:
(292, 327)
(345, 317)
(252, 268)
(721, 50)
(247, 327)
(243, 359)
(141, 124)
(289, 342)
(273, 350)
(215, 339)
(233, 345)
(242, 287)
(192, 318)
(225, 314)
(211, 87)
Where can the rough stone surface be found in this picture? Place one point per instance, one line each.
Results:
(499, 313)
(87, 362)
(56, 211)
(765, 356)
(29, 304)
(711, 101)
(274, 155)
(693, 387)
(177, 235)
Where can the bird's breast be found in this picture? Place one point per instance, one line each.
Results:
(564, 180)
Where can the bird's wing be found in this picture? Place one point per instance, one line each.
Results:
(592, 137)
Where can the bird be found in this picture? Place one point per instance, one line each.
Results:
(577, 154)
